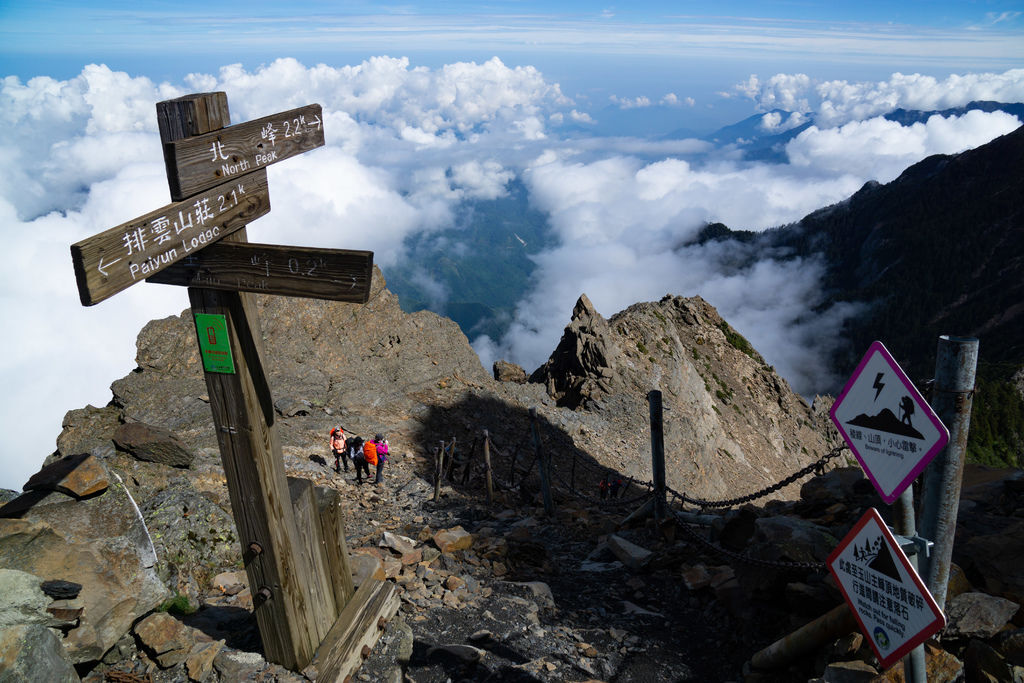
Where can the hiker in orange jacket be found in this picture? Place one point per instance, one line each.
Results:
(369, 457)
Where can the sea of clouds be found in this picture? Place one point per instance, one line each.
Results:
(405, 145)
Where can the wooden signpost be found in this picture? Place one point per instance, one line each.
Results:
(293, 542)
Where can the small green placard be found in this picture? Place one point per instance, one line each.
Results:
(214, 345)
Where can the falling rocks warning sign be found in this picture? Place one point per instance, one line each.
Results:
(887, 423)
(894, 608)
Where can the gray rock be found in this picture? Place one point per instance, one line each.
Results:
(30, 653)
(101, 543)
(791, 539)
(22, 601)
(978, 615)
(152, 444)
(235, 665)
(290, 407)
(194, 538)
(630, 554)
(509, 372)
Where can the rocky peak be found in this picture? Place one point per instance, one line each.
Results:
(581, 367)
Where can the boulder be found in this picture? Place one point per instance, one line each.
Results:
(998, 559)
(79, 475)
(854, 671)
(199, 663)
(101, 543)
(166, 639)
(451, 540)
(31, 652)
(88, 430)
(290, 407)
(509, 372)
(194, 538)
(978, 615)
(152, 444)
(22, 601)
(630, 554)
(400, 544)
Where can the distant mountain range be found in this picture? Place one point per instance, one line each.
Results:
(768, 143)
(939, 250)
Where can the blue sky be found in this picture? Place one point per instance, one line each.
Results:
(592, 50)
(430, 105)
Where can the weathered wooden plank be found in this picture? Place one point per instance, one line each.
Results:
(319, 592)
(359, 625)
(336, 274)
(332, 533)
(196, 163)
(249, 445)
(115, 259)
(250, 452)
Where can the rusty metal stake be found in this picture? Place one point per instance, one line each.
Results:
(953, 395)
(826, 628)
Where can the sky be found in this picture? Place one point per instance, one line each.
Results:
(427, 108)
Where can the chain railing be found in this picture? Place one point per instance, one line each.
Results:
(817, 467)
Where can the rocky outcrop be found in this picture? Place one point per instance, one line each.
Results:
(580, 370)
(732, 425)
(100, 542)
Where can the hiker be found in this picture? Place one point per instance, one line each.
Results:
(369, 458)
(603, 487)
(615, 485)
(355, 450)
(382, 456)
(338, 448)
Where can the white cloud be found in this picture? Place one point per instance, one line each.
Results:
(880, 149)
(836, 102)
(405, 145)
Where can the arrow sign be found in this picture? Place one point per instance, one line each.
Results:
(199, 162)
(895, 611)
(887, 423)
(115, 259)
(335, 274)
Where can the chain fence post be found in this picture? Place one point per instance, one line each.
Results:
(487, 468)
(657, 454)
(438, 469)
(952, 397)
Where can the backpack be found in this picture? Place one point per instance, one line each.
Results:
(370, 452)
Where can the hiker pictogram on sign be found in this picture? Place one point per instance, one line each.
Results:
(887, 423)
(895, 610)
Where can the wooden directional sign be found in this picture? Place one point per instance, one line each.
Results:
(894, 608)
(117, 258)
(887, 423)
(336, 274)
(196, 163)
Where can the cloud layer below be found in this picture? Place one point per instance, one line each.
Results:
(405, 146)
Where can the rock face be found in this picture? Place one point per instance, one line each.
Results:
(732, 425)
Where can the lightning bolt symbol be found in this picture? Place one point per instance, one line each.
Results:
(879, 384)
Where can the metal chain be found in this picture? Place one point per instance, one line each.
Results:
(612, 502)
(817, 467)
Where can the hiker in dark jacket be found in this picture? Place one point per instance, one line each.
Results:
(355, 449)
(382, 456)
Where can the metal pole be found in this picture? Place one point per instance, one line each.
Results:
(953, 395)
(657, 454)
(913, 664)
(542, 465)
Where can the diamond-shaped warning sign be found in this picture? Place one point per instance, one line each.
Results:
(894, 608)
(887, 423)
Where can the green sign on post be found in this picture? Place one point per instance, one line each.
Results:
(214, 345)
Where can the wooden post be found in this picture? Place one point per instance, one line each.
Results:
(542, 465)
(332, 533)
(487, 468)
(281, 576)
(657, 454)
